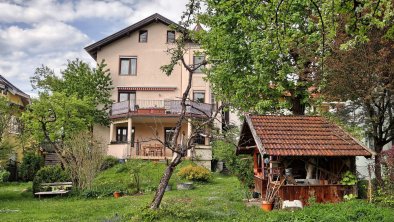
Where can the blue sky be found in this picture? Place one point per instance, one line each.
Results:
(49, 32)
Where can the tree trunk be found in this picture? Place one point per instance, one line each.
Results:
(297, 107)
(378, 169)
(164, 182)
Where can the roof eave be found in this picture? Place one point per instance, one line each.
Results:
(93, 48)
(256, 138)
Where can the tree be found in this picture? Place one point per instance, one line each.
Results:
(83, 156)
(178, 56)
(272, 52)
(82, 81)
(364, 74)
(55, 118)
(6, 111)
(68, 104)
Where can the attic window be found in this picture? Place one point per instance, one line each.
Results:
(143, 37)
(170, 36)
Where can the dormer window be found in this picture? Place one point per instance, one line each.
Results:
(170, 36)
(143, 37)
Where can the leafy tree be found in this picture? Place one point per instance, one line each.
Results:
(272, 52)
(54, 118)
(364, 74)
(82, 81)
(6, 110)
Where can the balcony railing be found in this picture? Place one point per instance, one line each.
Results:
(160, 106)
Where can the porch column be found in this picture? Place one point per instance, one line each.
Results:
(111, 132)
(129, 129)
(189, 133)
(129, 132)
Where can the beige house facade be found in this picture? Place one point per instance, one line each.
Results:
(146, 102)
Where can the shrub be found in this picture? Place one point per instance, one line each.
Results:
(49, 174)
(195, 173)
(4, 175)
(109, 162)
(31, 163)
(348, 178)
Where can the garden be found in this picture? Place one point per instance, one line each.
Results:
(215, 197)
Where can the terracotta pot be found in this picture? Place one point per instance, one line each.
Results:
(266, 206)
(116, 194)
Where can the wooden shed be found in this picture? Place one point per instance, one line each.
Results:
(309, 151)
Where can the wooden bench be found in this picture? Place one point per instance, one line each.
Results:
(57, 188)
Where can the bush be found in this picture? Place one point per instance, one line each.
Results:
(31, 163)
(49, 174)
(195, 173)
(4, 175)
(109, 161)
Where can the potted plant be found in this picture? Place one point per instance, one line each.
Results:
(270, 194)
(117, 194)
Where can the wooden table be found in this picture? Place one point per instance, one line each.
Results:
(153, 150)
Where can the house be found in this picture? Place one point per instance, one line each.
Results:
(312, 152)
(146, 101)
(16, 98)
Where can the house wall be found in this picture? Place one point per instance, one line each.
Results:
(150, 57)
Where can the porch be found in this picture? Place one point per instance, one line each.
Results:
(146, 137)
(160, 107)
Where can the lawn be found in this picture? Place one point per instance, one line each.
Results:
(219, 200)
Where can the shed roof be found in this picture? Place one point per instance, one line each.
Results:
(301, 136)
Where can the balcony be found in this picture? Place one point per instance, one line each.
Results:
(160, 107)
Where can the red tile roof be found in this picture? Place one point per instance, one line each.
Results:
(303, 136)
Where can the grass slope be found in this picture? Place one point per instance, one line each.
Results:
(220, 200)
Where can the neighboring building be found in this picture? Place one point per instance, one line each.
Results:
(17, 98)
(312, 152)
(146, 101)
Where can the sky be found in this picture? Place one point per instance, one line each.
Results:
(50, 32)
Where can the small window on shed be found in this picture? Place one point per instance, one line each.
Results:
(143, 37)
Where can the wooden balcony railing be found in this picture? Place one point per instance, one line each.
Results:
(160, 106)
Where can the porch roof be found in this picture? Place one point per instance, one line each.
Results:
(300, 136)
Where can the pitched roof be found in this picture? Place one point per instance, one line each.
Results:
(11, 88)
(93, 48)
(302, 136)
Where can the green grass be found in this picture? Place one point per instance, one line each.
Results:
(219, 200)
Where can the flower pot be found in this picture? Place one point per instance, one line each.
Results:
(266, 206)
(116, 194)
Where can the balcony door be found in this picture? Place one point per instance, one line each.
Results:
(128, 96)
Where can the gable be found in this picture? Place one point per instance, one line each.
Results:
(155, 18)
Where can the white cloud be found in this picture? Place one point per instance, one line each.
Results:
(36, 32)
(41, 38)
(67, 11)
(169, 9)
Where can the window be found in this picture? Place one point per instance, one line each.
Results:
(121, 134)
(126, 96)
(199, 96)
(128, 66)
(197, 60)
(168, 134)
(170, 36)
(143, 37)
